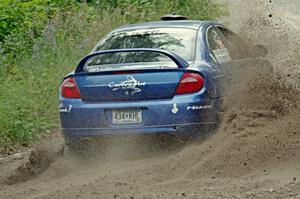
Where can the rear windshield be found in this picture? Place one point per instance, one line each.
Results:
(181, 41)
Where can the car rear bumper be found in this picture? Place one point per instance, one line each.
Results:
(174, 128)
(180, 130)
(95, 119)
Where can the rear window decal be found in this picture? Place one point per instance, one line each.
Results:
(222, 55)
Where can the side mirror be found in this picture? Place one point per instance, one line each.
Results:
(259, 51)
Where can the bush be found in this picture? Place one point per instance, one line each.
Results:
(23, 21)
(43, 40)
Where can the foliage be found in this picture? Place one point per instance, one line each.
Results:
(22, 21)
(42, 40)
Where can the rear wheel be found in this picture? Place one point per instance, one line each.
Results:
(204, 131)
(73, 148)
(84, 146)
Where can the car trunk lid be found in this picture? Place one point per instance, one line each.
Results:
(144, 85)
(129, 78)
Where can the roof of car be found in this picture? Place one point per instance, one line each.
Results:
(194, 24)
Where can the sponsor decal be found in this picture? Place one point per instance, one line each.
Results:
(130, 85)
(66, 110)
(222, 55)
(175, 109)
(199, 107)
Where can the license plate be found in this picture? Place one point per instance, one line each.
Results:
(127, 116)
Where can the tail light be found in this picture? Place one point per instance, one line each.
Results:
(190, 83)
(69, 88)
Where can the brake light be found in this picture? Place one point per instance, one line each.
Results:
(190, 83)
(69, 88)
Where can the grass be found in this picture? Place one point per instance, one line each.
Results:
(30, 80)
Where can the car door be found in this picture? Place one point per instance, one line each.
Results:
(219, 56)
(237, 60)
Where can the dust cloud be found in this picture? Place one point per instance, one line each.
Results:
(255, 153)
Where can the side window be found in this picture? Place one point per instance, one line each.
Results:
(237, 46)
(218, 47)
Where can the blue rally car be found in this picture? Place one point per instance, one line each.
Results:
(158, 77)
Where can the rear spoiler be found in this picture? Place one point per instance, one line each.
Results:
(179, 61)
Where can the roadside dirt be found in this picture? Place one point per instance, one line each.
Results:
(254, 154)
